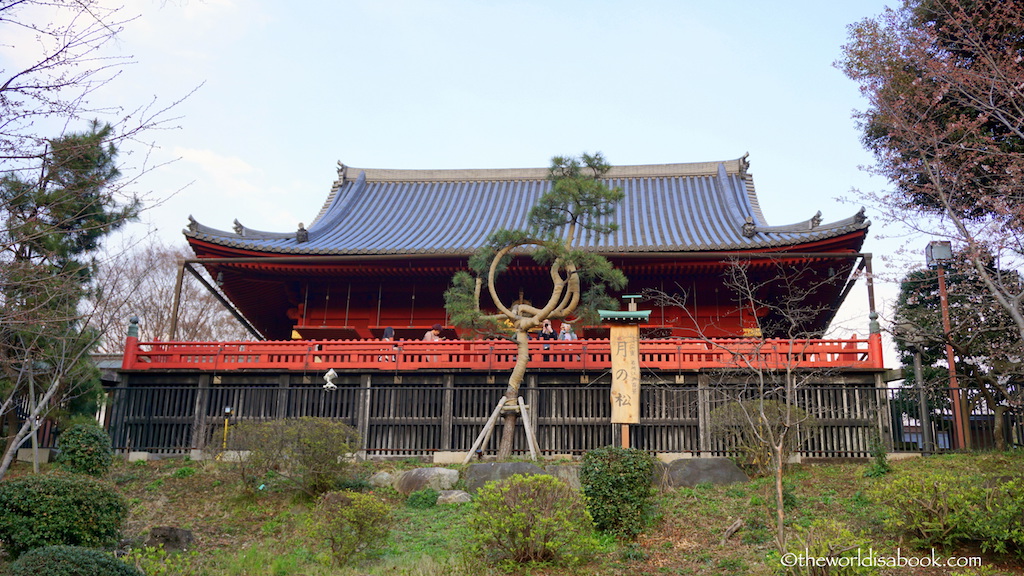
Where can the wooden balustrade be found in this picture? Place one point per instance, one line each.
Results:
(362, 355)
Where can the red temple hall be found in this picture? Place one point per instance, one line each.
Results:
(382, 251)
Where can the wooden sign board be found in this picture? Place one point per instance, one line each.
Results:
(625, 340)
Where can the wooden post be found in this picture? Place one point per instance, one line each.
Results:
(486, 432)
(283, 383)
(704, 413)
(447, 398)
(528, 426)
(199, 413)
(363, 414)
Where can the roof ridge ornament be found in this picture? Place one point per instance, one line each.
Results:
(301, 235)
(749, 228)
(238, 228)
(193, 225)
(342, 174)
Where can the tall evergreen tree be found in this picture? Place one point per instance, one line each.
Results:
(52, 225)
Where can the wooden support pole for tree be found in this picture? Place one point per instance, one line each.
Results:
(530, 438)
(486, 432)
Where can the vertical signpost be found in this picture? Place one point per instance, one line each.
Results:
(625, 353)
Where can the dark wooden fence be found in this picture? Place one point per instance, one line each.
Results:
(418, 420)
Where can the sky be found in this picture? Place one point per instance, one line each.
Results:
(285, 90)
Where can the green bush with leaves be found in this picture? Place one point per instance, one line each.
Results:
(617, 484)
(946, 508)
(830, 540)
(426, 498)
(43, 510)
(751, 426)
(351, 523)
(156, 561)
(879, 460)
(527, 519)
(85, 449)
(312, 454)
(70, 561)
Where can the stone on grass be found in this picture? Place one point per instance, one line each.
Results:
(568, 473)
(170, 538)
(479, 474)
(381, 479)
(454, 497)
(422, 478)
(688, 472)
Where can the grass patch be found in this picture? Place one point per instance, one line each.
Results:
(265, 533)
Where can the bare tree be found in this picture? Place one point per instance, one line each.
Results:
(61, 193)
(759, 411)
(140, 282)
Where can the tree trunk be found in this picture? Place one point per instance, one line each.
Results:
(780, 504)
(515, 380)
(998, 434)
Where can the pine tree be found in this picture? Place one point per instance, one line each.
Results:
(578, 203)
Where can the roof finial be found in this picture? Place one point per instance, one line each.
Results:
(749, 228)
(193, 226)
(301, 235)
(816, 220)
(239, 229)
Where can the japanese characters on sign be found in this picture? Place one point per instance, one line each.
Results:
(625, 374)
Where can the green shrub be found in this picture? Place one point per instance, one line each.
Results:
(183, 472)
(70, 561)
(946, 508)
(310, 453)
(155, 561)
(532, 519)
(352, 523)
(879, 460)
(42, 510)
(426, 498)
(748, 426)
(85, 449)
(617, 484)
(827, 539)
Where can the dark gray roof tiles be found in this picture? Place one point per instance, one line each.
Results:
(707, 206)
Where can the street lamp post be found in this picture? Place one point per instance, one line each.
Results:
(936, 254)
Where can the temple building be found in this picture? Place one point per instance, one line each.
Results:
(381, 253)
(383, 249)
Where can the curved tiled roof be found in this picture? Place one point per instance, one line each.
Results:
(707, 206)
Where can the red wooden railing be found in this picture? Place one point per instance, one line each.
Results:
(577, 355)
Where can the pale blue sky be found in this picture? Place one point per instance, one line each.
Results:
(293, 87)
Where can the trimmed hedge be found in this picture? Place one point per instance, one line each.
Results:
(43, 510)
(70, 561)
(85, 449)
(617, 484)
